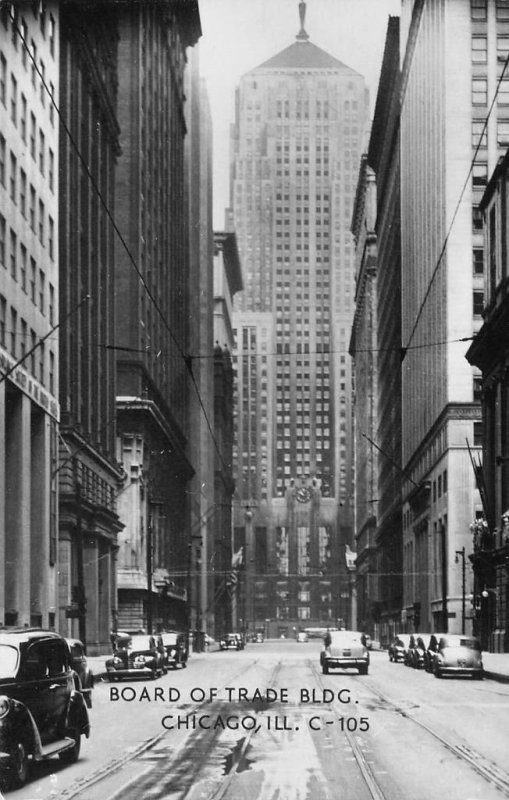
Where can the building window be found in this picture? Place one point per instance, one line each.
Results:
(2, 240)
(2, 160)
(14, 100)
(14, 331)
(502, 7)
(33, 62)
(479, 50)
(503, 92)
(3, 311)
(478, 259)
(32, 135)
(477, 434)
(477, 219)
(32, 279)
(13, 177)
(42, 148)
(479, 134)
(51, 237)
(42, 286)
(503, 133)
(14, 256)
(479, 91)
(478, 9)
(479, 174)
(51, 35)
(23, 192)
(478, 303)
(51, 169)
(23, 118)
(3, 80)
(477, 382)
(32, 208)
(23, 266)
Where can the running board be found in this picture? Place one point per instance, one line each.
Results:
(53, 748)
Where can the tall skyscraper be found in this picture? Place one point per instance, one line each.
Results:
(297, 139)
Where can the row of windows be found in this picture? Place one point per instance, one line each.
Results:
(479, 10)
(480, 91)
(24, 270)
(31, 206)
(19, 28)
(43, 156)
(17, 103)
(25, 345)
(480, 138)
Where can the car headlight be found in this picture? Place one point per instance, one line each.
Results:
(5, 705)
(117, 660)
(172, 652)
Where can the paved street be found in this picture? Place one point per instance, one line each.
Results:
(265, 723)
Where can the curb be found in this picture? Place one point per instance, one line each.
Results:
(501, 677)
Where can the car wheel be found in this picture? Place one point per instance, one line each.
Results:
(71, 756)
(18, 772)
(363, 670)
(184, 664)
(437, 672)
(325, 668)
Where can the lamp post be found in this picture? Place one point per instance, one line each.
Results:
(461, 554)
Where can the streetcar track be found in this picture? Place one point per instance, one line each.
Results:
(119, 763)
(365, 768)
(483, 766)
(221, 790)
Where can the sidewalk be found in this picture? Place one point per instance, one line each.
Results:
(496, 666)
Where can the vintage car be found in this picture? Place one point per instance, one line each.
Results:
(431, 650)
(416, 653)
(302, 636)
(231, 641)
(398, 648)
(42, 710)
(137, 656)
(458, 655)
(176, 649)
(80, 665)
(345, 649)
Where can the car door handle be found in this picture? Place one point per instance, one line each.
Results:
(54, 686)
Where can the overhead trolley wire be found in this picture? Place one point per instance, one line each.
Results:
(187, 358)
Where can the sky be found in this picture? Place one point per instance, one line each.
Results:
(238, 35)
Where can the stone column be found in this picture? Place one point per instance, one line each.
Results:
(41, 598)
(2, 502)
(17, 508)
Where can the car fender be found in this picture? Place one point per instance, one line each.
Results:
(77, 714)
(20, 726)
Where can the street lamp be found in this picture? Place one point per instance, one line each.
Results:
(461, 553)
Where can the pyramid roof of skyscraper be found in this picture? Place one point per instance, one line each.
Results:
(304, 55)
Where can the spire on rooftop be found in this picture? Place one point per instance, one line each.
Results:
(302, 36)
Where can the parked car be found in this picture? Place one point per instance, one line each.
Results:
(398, 647)
(458, 655)
(432, 650)
(42, 712)
(259, 638)
(80, 665)
(345, 649)
(417, 650)
(137, 656)
(302, 636)
(231, 641)
(176, 649)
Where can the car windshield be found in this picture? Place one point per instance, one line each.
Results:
(141, 643)
(8, 661)
(345, 638)
(169, 638)
(460, 641)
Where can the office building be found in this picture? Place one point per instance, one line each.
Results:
(297, 139)
(29, 409)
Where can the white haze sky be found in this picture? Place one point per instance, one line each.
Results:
(238, 35)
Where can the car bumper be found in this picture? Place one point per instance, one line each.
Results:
(122, 672)
(346, 662)
(449, 670)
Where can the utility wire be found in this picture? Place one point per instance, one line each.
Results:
(186, 357)
(43, 339)
(404, 350)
